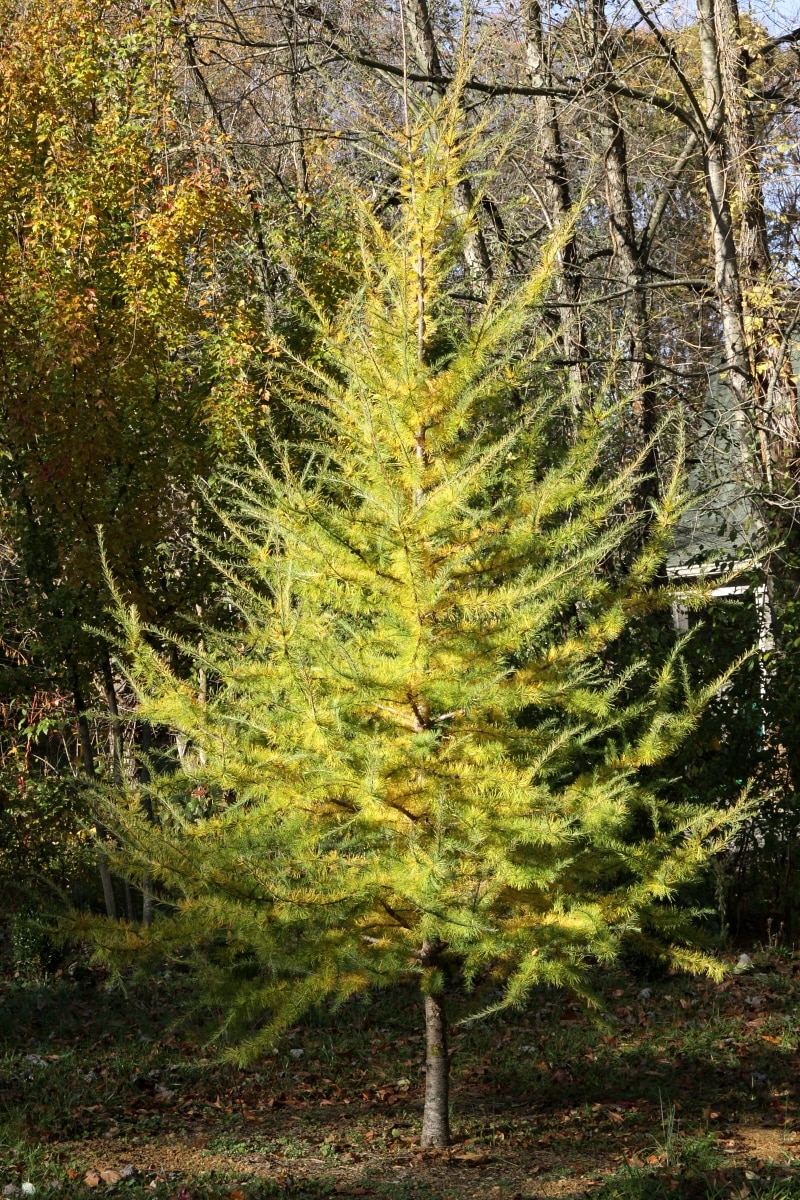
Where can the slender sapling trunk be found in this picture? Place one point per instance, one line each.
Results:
(436, 1115)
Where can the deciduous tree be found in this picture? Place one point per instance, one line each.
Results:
(410, 761)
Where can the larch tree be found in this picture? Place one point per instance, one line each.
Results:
(411, 761)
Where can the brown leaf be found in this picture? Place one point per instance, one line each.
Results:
(92, 1178)
(108, 1176)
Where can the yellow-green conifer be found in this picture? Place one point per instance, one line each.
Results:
(411, 760)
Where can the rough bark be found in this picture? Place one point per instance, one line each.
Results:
(742, 145)
(436, 1114)
(726, 269)
(559, 201)
(774, 385)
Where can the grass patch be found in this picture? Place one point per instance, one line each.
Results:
(683, 1087)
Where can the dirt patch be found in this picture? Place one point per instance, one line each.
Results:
(164, 1158)
(767, 1145)
(481, 1176)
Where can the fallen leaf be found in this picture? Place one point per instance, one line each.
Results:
(92, 1179)
(108, 1176)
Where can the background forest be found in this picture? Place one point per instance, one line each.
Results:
(281, 286)
(178, 204)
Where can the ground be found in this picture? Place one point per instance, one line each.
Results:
(676, 1087)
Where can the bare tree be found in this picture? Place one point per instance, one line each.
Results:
(559, 199)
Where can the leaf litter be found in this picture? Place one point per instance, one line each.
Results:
(543, 1103)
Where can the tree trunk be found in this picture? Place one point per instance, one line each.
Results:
(436, 1114)
(295, 122)
(130, 903)
(559, 201)
(625, 242)
(763, 307)
(116, 746)
(741, 143)
(148, 899)
(114, 725)
(726, 268)
(105, 873)
(87, 755)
